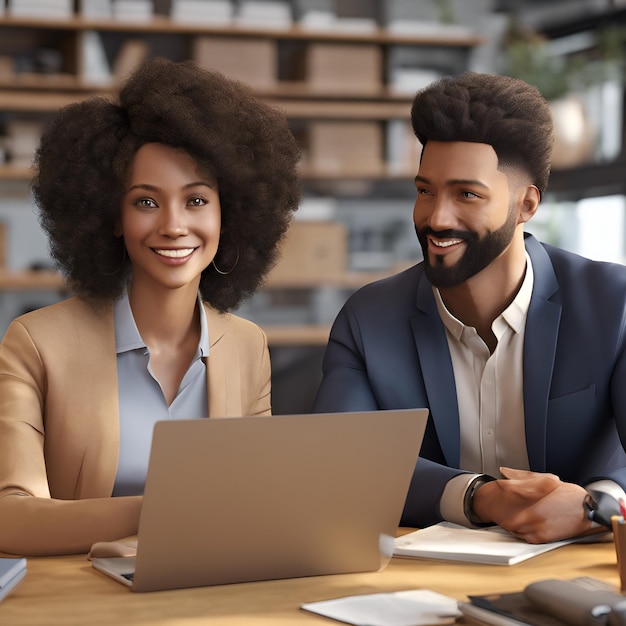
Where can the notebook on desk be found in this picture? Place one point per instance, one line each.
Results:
(246, 499)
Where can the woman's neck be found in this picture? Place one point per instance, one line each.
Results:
(165, 317)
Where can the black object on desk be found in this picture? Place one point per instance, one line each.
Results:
(581, 601)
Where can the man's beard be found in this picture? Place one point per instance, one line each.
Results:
(479, 252)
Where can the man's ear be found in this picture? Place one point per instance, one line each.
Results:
(529, 203)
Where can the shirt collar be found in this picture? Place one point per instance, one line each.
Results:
(127, 335)
(514, 315)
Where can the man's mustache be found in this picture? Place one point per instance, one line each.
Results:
(444, 234)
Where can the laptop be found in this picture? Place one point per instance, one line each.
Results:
(231, 500)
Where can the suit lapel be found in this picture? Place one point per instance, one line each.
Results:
(542, 327)
(437, 372)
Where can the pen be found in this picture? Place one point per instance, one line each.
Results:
(622, 507)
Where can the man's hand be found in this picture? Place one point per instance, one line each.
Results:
(533, 506)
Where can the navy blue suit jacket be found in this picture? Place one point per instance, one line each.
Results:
(388, 350)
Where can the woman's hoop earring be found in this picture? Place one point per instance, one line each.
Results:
(219, 271)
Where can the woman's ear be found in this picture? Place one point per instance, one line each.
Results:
(529, 204)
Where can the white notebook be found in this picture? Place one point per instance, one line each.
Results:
(451, 542)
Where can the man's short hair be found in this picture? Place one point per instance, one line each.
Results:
(506, 113)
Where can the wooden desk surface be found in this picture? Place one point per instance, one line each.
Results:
(67, 591)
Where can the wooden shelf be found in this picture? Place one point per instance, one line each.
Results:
(15, 172)
(45, 82)
(346, 280)
(31, 280)
(45, 279)
(162, 24)
(284, 335)
(315, 107)
(47, 102)
(24, 172)
(26, 82)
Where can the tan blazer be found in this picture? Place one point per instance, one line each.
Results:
(59, 416)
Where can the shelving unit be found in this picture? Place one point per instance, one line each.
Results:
(588, 180)
(33, 95)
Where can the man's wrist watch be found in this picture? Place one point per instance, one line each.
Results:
(468, 501)
(599, 507)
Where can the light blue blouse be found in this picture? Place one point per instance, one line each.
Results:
(141, 400)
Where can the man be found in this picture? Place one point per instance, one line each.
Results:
(517, 348)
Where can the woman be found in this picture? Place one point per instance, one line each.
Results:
(164, 210)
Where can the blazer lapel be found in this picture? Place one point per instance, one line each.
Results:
(437, 372)
(542, 327)
(224, 392)
(91, 392)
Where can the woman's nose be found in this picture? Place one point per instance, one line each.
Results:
(173, 223)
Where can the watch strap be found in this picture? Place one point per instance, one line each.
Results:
(468, 500)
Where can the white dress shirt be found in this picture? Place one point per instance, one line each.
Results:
(490, 395)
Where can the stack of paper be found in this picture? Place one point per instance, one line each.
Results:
(315, 13)
(264, 13)
(411, 79)
(133, 10)
(424, 18)
(95, 9)
(202, 11)
(402, 608)
(95, 65)
(451, 542)
(53, 9)
(11, 572)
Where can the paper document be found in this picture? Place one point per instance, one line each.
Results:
(452, 542)
(416, 607)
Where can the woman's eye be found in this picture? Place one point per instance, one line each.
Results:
(146, 203)
(197, 201)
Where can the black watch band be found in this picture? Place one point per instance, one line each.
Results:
(599, 507)
(468, 501)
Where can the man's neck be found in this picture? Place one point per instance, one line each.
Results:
(480, 300)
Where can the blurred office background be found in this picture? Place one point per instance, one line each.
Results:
(345, 72)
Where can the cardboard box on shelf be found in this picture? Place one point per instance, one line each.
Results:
(7, 66)
(131, 54)
(312, 251)
(22, 139)
(345, 147)
(403, 148)
(252, 61)
(343, 67)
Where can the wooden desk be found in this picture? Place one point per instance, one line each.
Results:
(66, 591)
